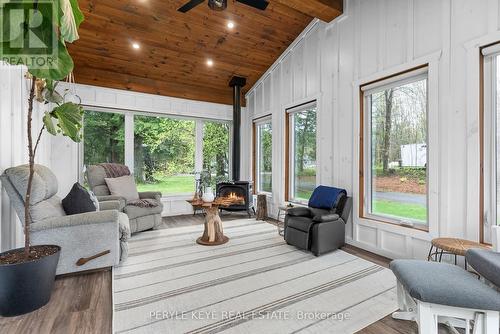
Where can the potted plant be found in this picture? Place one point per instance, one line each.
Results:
(27, 274)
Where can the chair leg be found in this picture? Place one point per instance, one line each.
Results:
(427, 320)
(491, 322)
(407, 307)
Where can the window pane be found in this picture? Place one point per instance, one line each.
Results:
(216, 149)
(487, 229)
(264, 157)
(164, 154)
(399, 152)
(103, 138)
(304, 154)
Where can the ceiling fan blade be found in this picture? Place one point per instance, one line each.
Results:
(190, 5)
(259, 4)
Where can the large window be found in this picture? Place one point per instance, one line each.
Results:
(216, 149)
(164, 152)
(103, 137)
(395, 150)
(301, 153)
(263, 155)
(491, 142)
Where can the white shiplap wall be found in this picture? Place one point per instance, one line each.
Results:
(371, 39)
(14, 89)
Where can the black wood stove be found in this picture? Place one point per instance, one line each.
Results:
(237, 188)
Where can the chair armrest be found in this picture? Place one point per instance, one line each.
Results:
(299, 212)
(326, 218)
(486, 263)
(110, 205)
(150, 195)
(87, 218)
(110, 198)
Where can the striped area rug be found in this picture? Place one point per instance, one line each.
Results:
(255, 283)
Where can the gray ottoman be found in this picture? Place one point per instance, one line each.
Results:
(431, 292)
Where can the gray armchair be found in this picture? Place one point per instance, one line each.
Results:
(80, 235)
(140, 219)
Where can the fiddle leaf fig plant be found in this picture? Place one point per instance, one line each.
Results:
(34, 34)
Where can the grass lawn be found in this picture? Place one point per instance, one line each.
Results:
(174, 184)
(400, 210)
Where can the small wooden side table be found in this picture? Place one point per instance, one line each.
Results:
(213, 233)
(453, 246)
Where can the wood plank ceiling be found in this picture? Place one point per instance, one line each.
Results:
(175, 47)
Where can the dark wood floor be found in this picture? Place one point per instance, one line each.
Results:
(82, 303)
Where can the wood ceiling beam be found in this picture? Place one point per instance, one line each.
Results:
(325, 10)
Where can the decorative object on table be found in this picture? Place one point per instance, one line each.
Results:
(261, 207)
(27, 276)
(198, 192)
(452, 246)
(213, 233)
(319, 227)
(208, 195)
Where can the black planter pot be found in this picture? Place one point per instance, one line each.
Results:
(25, 287)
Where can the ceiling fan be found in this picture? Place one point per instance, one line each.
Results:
(222, 4)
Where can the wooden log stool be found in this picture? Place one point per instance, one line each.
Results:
(261, 207)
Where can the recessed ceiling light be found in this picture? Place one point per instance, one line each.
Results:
(210, 62)
(136, 46)
(230, 24)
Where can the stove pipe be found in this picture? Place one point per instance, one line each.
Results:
(236, 83)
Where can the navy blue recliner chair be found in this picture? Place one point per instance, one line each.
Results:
(320, 227)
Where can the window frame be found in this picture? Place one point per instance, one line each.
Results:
(289, 147)
(365, 141)
(129, 150)
(267, 119)
(489, 150)
(81, 145)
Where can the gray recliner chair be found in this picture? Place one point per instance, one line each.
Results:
(79, 236)
(318, 230)
(140, 219)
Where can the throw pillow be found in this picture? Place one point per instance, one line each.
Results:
(123, 186)
(78, 201)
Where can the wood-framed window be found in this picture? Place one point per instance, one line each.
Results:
(394, 149)
(489, 120)
(262, 155)
(300, 155)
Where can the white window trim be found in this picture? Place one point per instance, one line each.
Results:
(368, 90)
(291, 144)
(490, 148)
(129, 140)
(258, 122)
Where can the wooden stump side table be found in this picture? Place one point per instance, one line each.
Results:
(213, 233)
